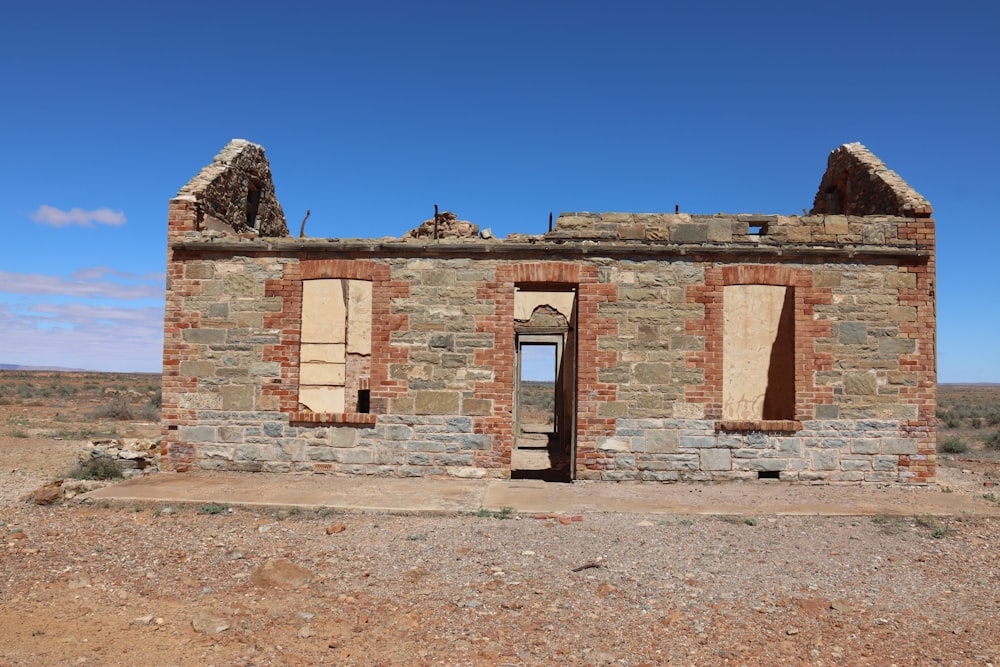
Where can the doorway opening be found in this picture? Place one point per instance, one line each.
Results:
(544, 386)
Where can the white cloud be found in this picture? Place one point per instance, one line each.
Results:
(85, 321)
(98, 272)
(87, 284)
(55, 217)
(78, 336)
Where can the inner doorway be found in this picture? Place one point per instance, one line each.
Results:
(545, 386)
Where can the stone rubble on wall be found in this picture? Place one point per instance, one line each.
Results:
(448, 227)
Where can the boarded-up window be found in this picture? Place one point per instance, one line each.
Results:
(758, 378)
(335, 343)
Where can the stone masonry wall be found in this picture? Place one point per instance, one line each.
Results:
(649, 384)
(860, 279)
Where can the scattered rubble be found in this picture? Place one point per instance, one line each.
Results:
(447, 226)
(134, 456)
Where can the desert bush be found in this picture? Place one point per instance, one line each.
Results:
(992, 441)
(150, 412)
(214, 508)
(100, 467)
(952, 445)
(119, 408)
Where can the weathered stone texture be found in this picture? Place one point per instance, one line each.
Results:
(425, 386)
(236, 193)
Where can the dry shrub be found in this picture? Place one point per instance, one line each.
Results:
(119, 408)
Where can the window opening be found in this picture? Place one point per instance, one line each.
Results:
(335, 345)
(253, 204)
(364, 401)
(758, 380)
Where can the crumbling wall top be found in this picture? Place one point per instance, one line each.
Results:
(856, 182)
(235, 193)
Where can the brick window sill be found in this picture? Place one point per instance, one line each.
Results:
(759, 425)
(325, 418)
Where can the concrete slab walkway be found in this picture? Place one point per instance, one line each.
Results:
(451, 496)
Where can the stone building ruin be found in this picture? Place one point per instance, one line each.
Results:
(679, 346)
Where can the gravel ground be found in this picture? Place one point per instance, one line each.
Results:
(91, 584)
(118, 586)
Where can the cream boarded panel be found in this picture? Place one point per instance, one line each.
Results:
(322, 373)
(324, 315)
(322, 399)
(359, 317)
(332, 353)
(750, 314)
(525, 303)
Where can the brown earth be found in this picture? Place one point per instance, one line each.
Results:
(94, 584)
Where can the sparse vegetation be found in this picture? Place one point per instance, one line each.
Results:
(952, 444)
(732, 518)
(504, 513)
(214, 508)
(969, 413)
(992, 441)
(101, 468)
(118, 408)
(537, 402)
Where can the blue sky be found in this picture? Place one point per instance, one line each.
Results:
(501, 112)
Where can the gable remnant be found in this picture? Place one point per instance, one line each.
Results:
(235, 193)
(858, 183)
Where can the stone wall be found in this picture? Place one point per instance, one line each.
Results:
(649, 373)
(649, 348)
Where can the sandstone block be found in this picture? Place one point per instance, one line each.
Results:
(437, 402)
(860, 384)
(827, 278)
(899, 446)
(768, 465)
(827, 411)
(689, 233)
(197, 368)
(826, 459)
(836, 224)
(477, 406)
(901, 280)
(663, 442)
(720, 231)
(715, 459)
(853, 333)
(199, 271)
(896, 346)
(205, 336)
(903, 313)
(652, 373)
(605, 444)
